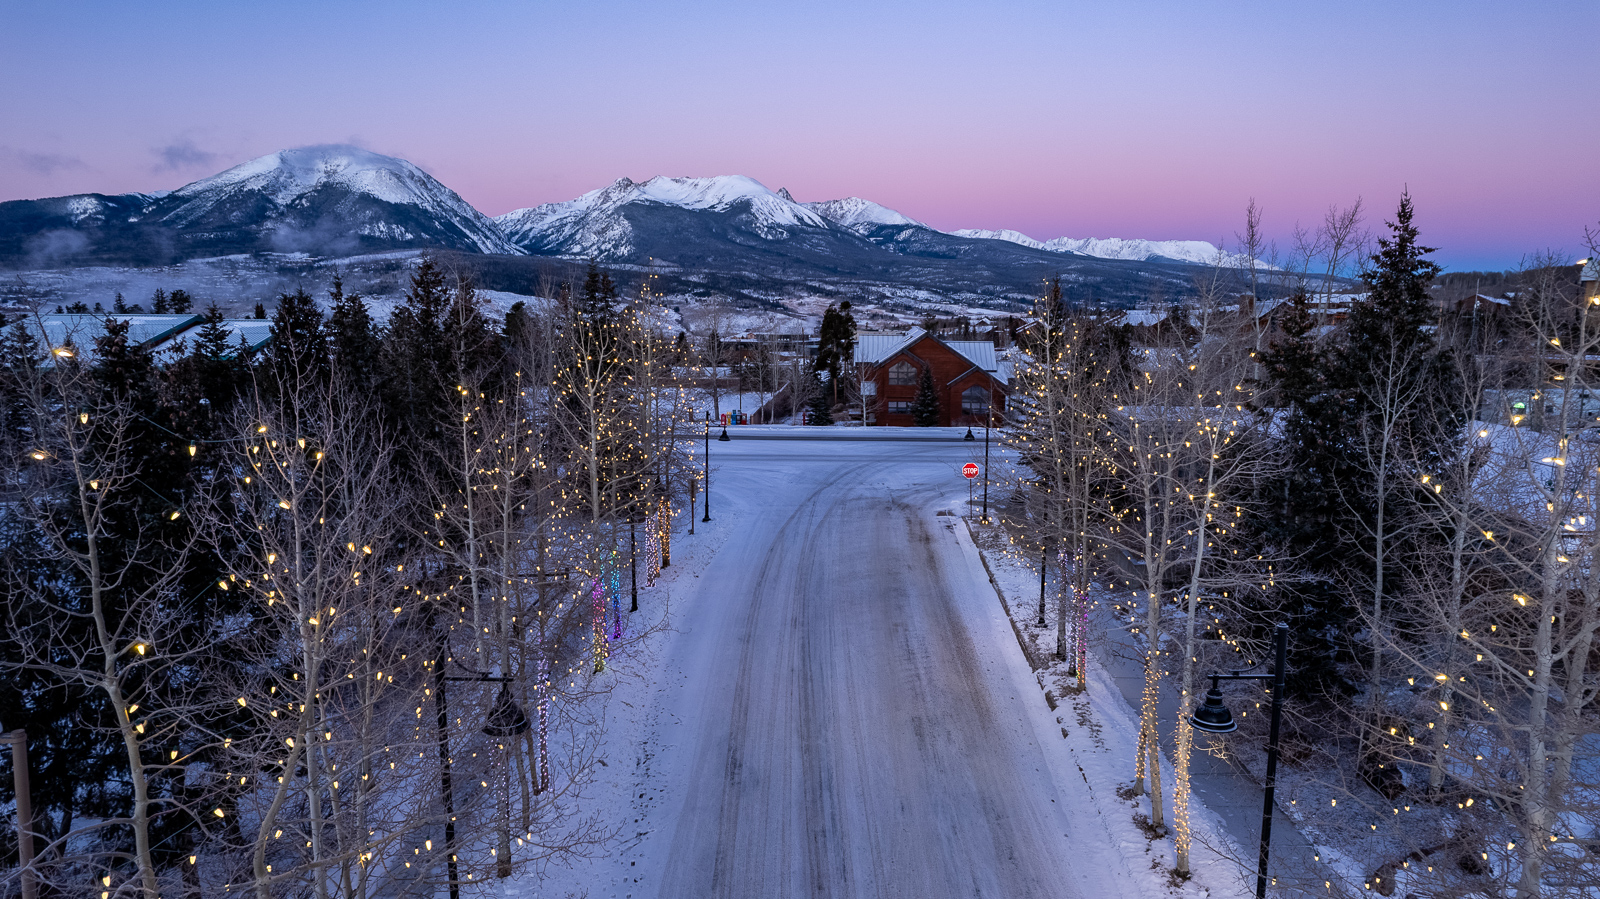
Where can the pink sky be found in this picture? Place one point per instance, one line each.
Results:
(1157, 120)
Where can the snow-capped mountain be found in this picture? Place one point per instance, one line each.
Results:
(1198, 252)
(860, 216)
(728, 234)
(325, 201)
(1016, 237)
(297, 199)
(601, 222)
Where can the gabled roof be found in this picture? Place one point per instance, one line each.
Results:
(875, 349)
(979, 352)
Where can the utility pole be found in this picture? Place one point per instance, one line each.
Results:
(19, 772)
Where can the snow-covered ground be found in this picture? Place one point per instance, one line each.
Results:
(839, 706)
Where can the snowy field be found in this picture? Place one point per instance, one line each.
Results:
(839, 707)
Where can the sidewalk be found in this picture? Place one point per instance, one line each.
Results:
(1233, 795)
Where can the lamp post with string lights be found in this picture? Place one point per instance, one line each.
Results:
(1213, 717)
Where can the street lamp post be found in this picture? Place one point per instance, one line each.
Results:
(708, 468)
(988, 417)
(506, 719)
(1044, 556)
(1214, 717)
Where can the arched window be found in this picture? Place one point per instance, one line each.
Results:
(902, 374)
(975, 401)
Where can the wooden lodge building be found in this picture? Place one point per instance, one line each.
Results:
(967, 377)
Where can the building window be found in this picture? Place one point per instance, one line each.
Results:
(899, 407)
(975, 401)
(902, 374)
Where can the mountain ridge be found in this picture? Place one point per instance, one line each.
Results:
(341, 202)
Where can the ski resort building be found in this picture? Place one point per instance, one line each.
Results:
(967, 377)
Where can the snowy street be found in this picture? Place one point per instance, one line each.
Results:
(842, 709)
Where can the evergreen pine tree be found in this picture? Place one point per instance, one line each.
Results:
(819, 408)
(598, 302)
(20, 358)
(212, 340)
(180, 301)
(925, 406)
(297, 356)
(158, 302)
(352, 338)
(836, 342)
(261, 312)
(118, 306)
(1330, 390)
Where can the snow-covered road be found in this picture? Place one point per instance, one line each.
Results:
(842, 710)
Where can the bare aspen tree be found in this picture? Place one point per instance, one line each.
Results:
(1340, 240)
(110, 623)
(1225, 453)
(1530, 689)
(315, 516)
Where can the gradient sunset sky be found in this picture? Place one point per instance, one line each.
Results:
(1111, 119)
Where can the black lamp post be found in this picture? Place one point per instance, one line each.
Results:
(969, 436)
(1044, 556)
(1214, 717)
(708, 468)
(987, 416)
(506, 719)
(633, 560)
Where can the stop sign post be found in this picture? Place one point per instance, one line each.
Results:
(970, 472)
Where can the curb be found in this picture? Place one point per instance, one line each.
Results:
(1027, 651)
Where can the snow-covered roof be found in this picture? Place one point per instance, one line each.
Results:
(1142, 318)
(978, 352)
(253, 332)
(1589, 273)
(80, 330)
(873, 349)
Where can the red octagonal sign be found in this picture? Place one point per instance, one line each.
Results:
(970, 470)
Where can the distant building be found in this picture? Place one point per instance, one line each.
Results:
(967, 377)
(77, 332)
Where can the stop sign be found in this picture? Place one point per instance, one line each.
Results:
(970, 470)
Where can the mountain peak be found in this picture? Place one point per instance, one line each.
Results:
(860, 215)
(1016, 237)
(596, 224)
(333, 198)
